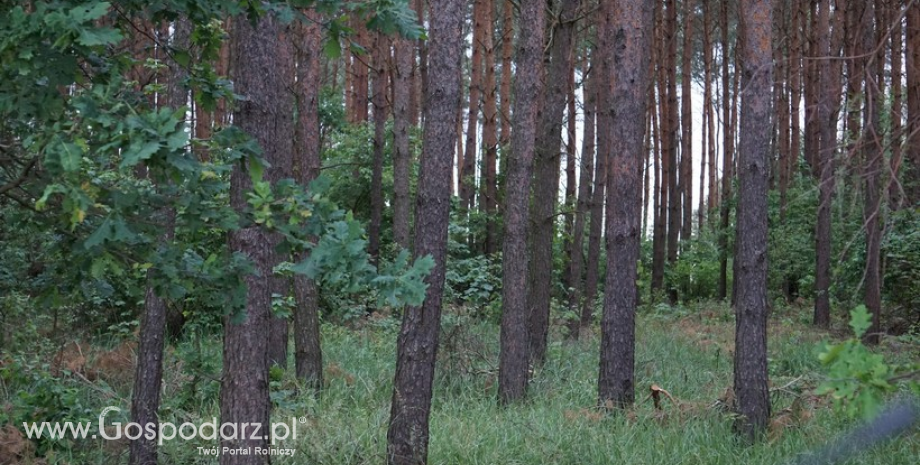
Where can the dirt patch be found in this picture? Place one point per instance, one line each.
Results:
(83, 360)
(15, 449)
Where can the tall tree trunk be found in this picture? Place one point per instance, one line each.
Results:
(674, 176)
(402, 156)
(659, 233)
(148, 374)
(515, 341)
(897, 103)
(751, 383)
(381, 52)
(308, 356)
(468, 170)
(576, 265)
(421, 82)
(597, 89)
(710, 114)
(632, 30)
(505, 90)
(781, 102)
(873, 159)
(911, 180)
(827, 147)
(263, 74)
(571, 185)
(416, 347)
(489, 181)
(727, 163)
(686, 123)
(795, 89)
(361, 69)
(546, 178)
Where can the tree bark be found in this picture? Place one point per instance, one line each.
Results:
(686, 123)
(379, 98)
(263, 74)
(505, 89)
(824, 163)
(546, 178)
(596, 89)
(897, 103)
(489, 181)
(659, 232)
(751, 383)
(576, 266)
(873, 158)
(515, 342)
(308, 356)
(468, 170)
(148, 374)
(727, 163)
(402, 121)
(631, 33)
(674, 178)
(416, 349)
(911, 180)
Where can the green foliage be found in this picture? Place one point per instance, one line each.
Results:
(901, 248)
(696, 273)
(475, 282)
(859, 378)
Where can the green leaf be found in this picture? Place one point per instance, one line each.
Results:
(137, 153)
(332, 48)
(70, 157)
(93, 37)
(860, 320)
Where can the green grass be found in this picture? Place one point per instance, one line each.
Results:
(687, 352)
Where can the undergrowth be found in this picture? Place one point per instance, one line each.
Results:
(686, 352)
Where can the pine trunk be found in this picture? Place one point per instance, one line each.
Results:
(416, 346)
(751, 383)
(546, 178)
(631, 30)
(262, 66)
(513, 370)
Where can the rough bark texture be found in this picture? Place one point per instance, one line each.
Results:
(505, 89)
(148, 374)
(546, 178)
(710, 136)
(824, 163)
(873, 160)
(581, 211)
(897, 102)
(489, 181)
(571, 185)
(596, 203)
(727, 164)
(402, 121)
(790, 163)
(515, 343)
(468, 170)
(686, 123)
(407, 436)
(631, 34)
(379, 98)
(263, 73)
(674, 171)
(911, 180)
(659, 229)
(308, 356)
(751, 384)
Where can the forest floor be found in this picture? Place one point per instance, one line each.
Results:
(686, 352)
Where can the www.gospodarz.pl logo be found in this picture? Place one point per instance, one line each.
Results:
(167, 431)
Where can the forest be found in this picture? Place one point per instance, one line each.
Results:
(254, 232)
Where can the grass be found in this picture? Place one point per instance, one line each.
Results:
(687, 352)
